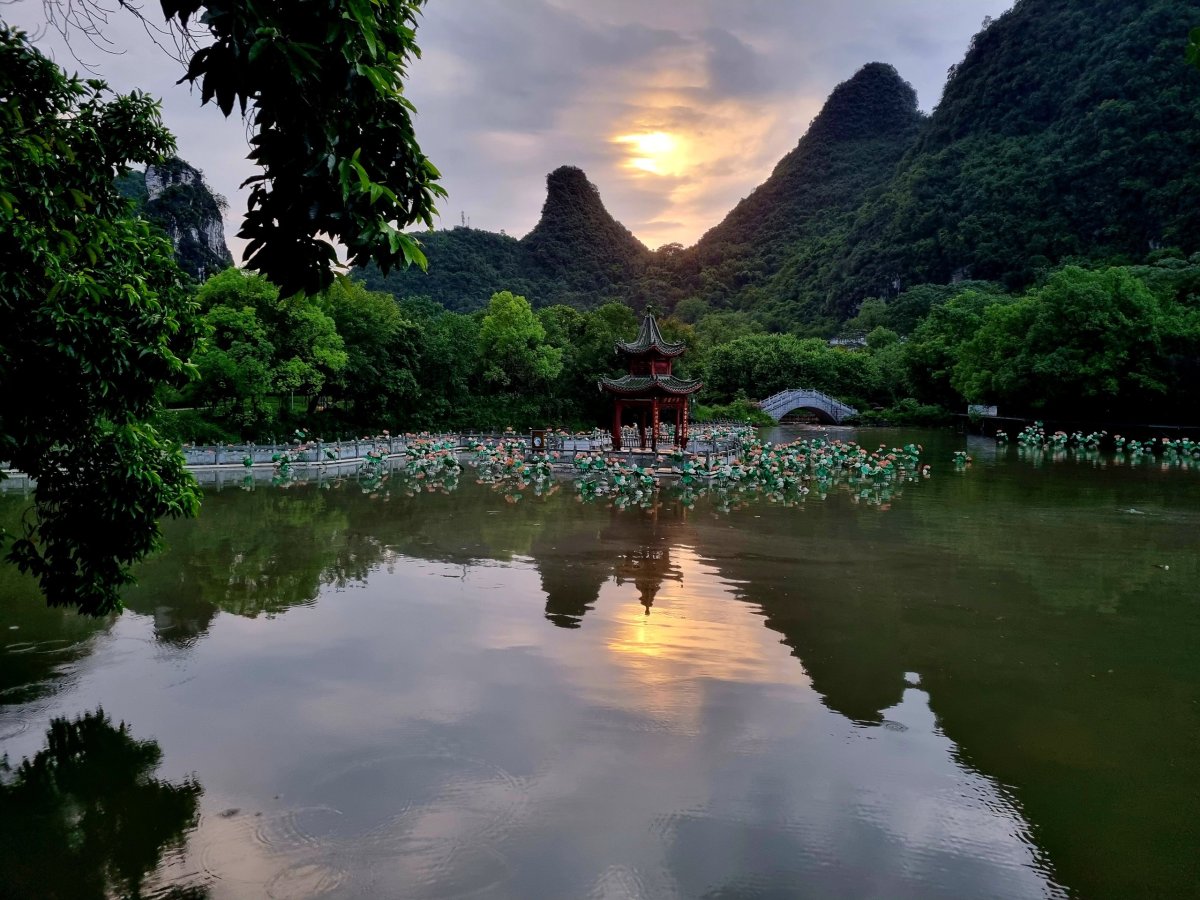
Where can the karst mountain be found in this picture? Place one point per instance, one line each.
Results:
(1069, 132)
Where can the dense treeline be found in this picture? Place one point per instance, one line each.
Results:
(351, 359)
(1118, 343)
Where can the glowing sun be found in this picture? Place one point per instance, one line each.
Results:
(656, 152)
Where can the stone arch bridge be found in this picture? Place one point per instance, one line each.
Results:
(828, 409)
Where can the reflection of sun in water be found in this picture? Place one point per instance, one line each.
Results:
(696, 629)
(656, 152)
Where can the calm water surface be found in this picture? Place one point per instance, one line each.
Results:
(987, 687)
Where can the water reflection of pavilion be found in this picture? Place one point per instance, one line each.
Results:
(633, 547)
(648, 565)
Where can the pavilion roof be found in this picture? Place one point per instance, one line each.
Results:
(650, 340)
(648, 385)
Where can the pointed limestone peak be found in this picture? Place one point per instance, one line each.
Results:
(875, 102)
(851, 146)
(575, 229)
(567, 181)
(650, 339)
(174, 196)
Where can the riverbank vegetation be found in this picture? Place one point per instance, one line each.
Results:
(99, 322)
(1114, 343)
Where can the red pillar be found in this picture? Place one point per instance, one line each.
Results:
(684, 440)
(616, 432)
(654, 425)
(641, 428)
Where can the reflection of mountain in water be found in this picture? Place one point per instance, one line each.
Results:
(251, 553)
(84, 817)
(265, 551)
(1062, 701)
(262, 552)
(1029, 707)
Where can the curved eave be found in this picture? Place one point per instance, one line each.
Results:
(650, 340)
(670, 351)
(649, 388)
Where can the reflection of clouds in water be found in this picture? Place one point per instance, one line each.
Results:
(429, 736)
(410, 825)
(944, 818)
(839, 799)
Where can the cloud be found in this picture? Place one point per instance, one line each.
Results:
(579, 79)
(735, 69)
(508, 90)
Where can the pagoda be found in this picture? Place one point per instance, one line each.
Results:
(650, 390)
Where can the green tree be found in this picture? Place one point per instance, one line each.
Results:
(309, 350)
(85, 816)
(890, 378)
(1086, 343)
(760, 365)
(235, 367)
(723, 327)
(322, 87)
(382, 353)
(449, 373)
(690, 309)
(934, 347)
(881, 338)
(262, 345)
(95, 318)
(618, 320)
(872, 314)
(512, 345)
(905, 312)
(587, 343)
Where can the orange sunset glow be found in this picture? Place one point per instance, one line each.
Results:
(656, 152)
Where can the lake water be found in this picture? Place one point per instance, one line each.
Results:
(986, 686)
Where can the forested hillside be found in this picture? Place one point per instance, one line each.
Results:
(1035, 247)
(465, 264)
(852, 146)
(576, 243)
(1033, 244)
(1068, 134)
(576, 254)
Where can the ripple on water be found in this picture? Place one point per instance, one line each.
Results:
(296, 829)
(229, 849)
(12, 728)
(438, 869)
(619, 883)
(50, 645)
(405, 825)
(243, 852)
(305, 880)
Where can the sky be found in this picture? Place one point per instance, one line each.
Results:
(675, 109)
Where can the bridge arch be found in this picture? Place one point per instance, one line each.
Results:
(828, 409)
